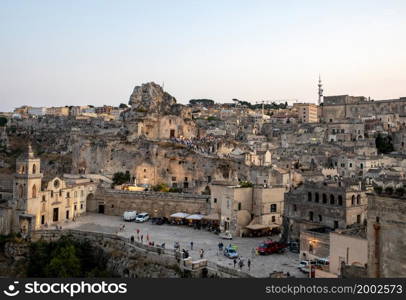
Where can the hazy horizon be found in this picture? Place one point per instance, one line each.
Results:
(57, 53)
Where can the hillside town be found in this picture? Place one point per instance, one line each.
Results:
(273, 188)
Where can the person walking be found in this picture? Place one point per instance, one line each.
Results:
(241, 264)
(191, 245)
(201, 253)
(249, 264)
(142, 238)
(235, 262)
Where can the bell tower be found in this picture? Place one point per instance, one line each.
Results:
(27, 183)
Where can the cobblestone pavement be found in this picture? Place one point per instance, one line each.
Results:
(261, 266)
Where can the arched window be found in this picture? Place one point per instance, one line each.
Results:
(332, 200)
(324, 198)
(20, 191)
(353, 200)
(309, 196)
(34, 191)
(340, 200)
(358, 199)
(34, 169)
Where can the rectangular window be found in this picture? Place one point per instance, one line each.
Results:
(239, 205)
(81, 206)
(67, 215)
(273, 208)
(75, 207)
(42, 220)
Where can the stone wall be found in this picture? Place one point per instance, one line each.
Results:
(386, 236)
(155, 203)
(125, 257)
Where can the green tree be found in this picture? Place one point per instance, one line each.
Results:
(3, 121)
(121, 178)
(64, 263)
(384, 144)
(161, 187)
(245, 184)
(389, 190)
(400, 191)
(378, 189)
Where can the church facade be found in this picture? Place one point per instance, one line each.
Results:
(37, 204)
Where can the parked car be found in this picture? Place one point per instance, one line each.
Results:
(226, 235)
(294, 247)
(269, 247)
(158, 221)
(230, 252)
(321, 262)
(142, 217)
(304, 265)
(129, 216)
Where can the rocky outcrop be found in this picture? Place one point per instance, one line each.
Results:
(150, 97)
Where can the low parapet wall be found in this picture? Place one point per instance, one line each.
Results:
(123, 252)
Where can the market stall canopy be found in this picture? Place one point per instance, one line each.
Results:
(195, 217)
(180, 215)
(212, 217)
(257, 226)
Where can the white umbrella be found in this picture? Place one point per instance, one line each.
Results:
(195, 217)
(179, 215)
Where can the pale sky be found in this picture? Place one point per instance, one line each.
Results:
(56, 53)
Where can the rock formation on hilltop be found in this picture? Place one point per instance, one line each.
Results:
(151, 98)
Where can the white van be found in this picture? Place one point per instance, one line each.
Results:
(130, 216)
(142, 217)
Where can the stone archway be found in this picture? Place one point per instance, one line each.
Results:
(91, 203)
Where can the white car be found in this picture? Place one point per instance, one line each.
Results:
(129, 216)
(304, 266)
(226, 235)
(142, 217)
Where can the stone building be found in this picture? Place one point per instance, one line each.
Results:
(58, 111)
(239, 207)
(338, 108)
(331, 204)
(345, 131)
(36, 203)
(348, 248)
(308, 112)
(386, 236)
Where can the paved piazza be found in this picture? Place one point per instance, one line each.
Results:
(261, 266)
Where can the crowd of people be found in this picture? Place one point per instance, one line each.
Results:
(141, 237)
(206, 145)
